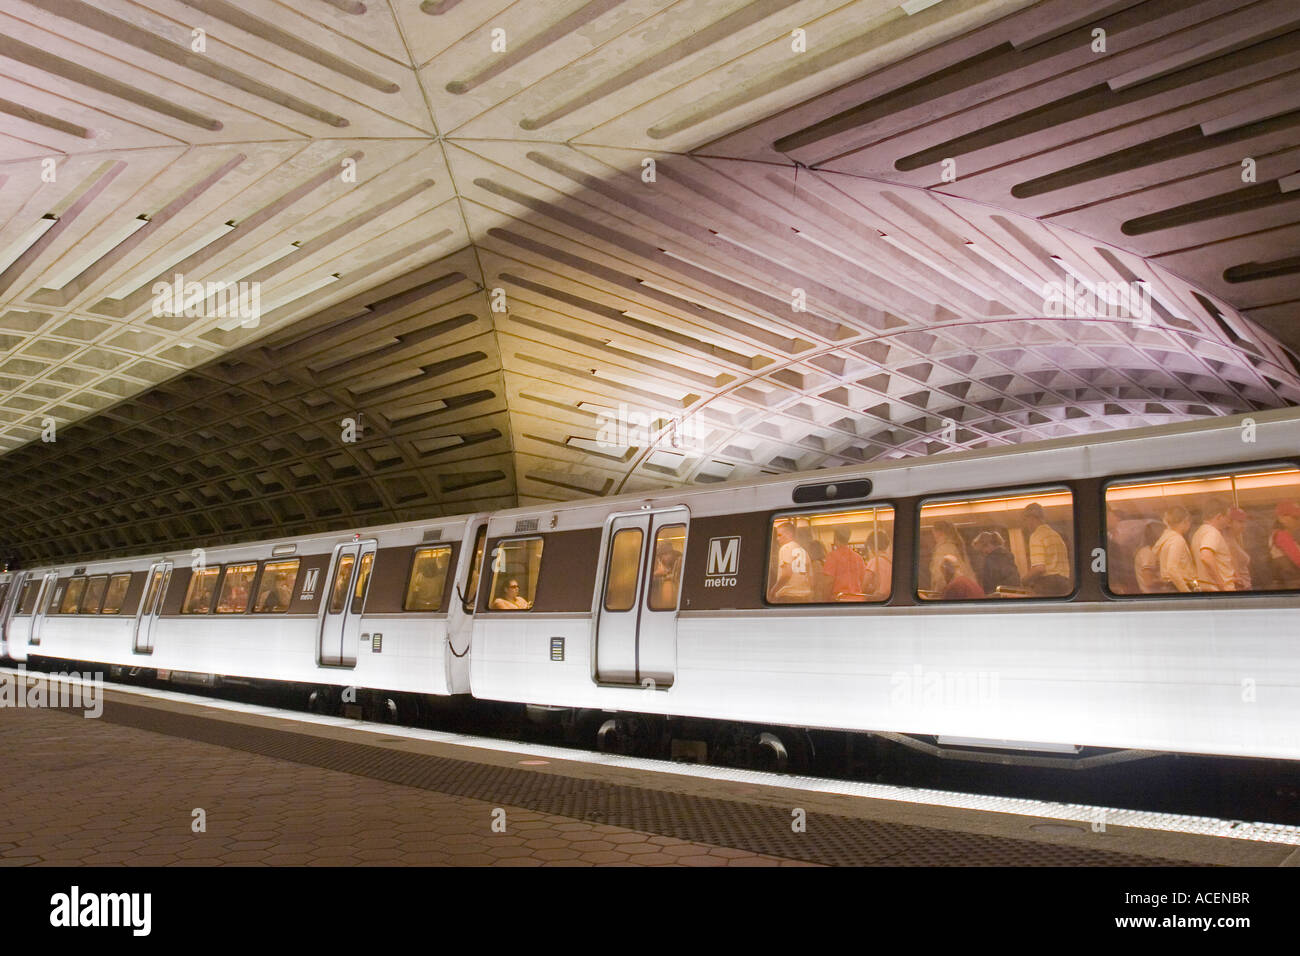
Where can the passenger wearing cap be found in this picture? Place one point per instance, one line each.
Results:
(1214, 568)
(1237, 545)
(1283, 552)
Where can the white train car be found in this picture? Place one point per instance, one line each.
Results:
(374, 609)
(1074, 653)
(1132, 592)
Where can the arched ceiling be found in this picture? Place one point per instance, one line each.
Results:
(669, 302)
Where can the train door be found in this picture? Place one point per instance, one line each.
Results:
(357, 604)
(8, 609)
(340, 621)
(43, 602)
(146, 618)
(636, 617)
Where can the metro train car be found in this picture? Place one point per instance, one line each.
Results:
(1124, 593)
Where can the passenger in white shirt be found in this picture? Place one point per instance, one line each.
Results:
(1214, 568)
(1177, 569)
(794, 572)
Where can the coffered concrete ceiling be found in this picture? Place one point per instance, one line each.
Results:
(842, 253)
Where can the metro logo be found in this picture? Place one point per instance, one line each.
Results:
(724, 560)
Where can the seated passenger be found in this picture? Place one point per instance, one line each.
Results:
(1237, 545)
(1283, 552)
(946, 540)
(1177, 570)
(1210, 550)
(879, 580)
(1146, 565)
(846, 569)
(998, 567)
(794, 570)
(957, 587)
(510, 599)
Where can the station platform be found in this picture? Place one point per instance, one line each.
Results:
(281, 788)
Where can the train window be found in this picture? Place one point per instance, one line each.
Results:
(116, 593)
(624, 568)
(837, 556)
(94, 596)
(198, 597)
(1233, 530)
(152, 596)
(27, 600)
(363, 581)
(275, 590)
(666, 572)
(1012, 546)
(236, 588)
(428, 581)
(342, 576)
(515, 569)
(72, 596)
(471, 595)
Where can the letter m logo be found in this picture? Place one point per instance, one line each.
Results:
(724, 555)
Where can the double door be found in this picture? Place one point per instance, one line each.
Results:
(146, 619)
(636, 618)
(340, 619)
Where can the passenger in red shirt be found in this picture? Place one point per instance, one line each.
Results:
(846, 569)
(959, 587)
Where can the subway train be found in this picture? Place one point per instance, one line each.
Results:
(1065, 600)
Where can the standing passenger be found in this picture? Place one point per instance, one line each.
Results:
(793, 574)
(1146, 566)
(1049, 559)
(1177, 569)
(846, 569)
(1210, 548)
(1237, 545)
(1283, 551)
(880, 567)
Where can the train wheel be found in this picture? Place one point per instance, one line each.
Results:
(630, 736)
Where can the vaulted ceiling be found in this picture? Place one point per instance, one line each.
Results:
(539, 250)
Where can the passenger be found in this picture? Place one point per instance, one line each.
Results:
(1177, 569)
(1124, 538)
(1146, 566)
(847, 570)
(426, 584)
(1283, 553)
(510, 599)
(816, 552)
(1049, 558)
(947, 540)
(1237, 545)
(957, 586)
(998, 567)
(666, 576)
(879, 580)
(793, 573)
(283, 594)
(1214, 569)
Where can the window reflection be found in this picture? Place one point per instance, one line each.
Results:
(1235, 531)
(840, 556)
(1011, 546)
